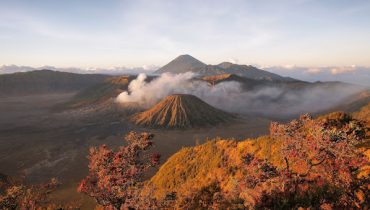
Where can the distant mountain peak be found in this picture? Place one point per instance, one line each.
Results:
(185, 56)
(181, 64)
(185, 63)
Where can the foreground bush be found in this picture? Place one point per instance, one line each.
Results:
(115, 177)
(321, 167)
(15, 195)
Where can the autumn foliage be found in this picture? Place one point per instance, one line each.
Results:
(17, 195)
(306, 163)
(115, 177)
(320, 168)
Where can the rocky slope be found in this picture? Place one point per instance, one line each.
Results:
(181, 111)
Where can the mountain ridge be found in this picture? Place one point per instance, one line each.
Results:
(46, 81)
(185, 63)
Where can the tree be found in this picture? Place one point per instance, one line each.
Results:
(115, 177)
(321, 166)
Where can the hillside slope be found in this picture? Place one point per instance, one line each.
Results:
(46, 81)
(224, 162)
(100, 92)
(354, 102)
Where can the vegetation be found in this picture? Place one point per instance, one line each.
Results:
(309, 163)
(16, 195)
(114, 178)
(364, 115)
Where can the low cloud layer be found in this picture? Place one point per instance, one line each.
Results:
(230, 96)
(359, 75)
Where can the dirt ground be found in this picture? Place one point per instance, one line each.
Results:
(40, 143)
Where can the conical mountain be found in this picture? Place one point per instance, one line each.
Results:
(181, 64)
(181, 111)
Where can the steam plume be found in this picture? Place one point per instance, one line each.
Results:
(230, 96)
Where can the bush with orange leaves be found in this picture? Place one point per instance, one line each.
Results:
(115, 177)
(19, 196)
(321, 167)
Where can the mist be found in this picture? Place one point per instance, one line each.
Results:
(270, 100)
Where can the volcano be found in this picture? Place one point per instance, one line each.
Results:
(182, 64)
(181, 111)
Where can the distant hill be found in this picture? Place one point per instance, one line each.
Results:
(247, 84)
(355, 102)
(363, 114)
(181, 111)
(46, 81)
(185, 63)
(352, 103)
(109, 89)
(100, 92)
(246, 71)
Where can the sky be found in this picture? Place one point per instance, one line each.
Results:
(104, 34)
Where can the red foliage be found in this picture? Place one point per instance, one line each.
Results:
(321, 167)
(19, 196)
(320, 151)
(115, 176)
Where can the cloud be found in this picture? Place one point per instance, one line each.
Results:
(343, 70)
(147, 94)
(313, 70)
(233, 60)
(230, 96)
(351, 74)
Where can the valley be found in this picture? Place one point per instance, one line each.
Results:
(40, 143)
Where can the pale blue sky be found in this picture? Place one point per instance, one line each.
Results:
(143, 32)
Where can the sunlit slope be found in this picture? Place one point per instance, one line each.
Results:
(222, 161)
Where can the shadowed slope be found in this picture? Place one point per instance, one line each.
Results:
(181, 111)
(46, 81)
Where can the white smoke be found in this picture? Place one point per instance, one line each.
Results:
(147, 94)
(230, 96)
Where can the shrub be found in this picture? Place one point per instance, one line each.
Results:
(115, 177)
